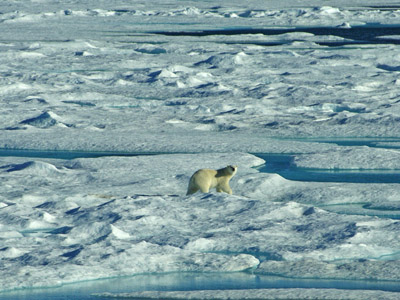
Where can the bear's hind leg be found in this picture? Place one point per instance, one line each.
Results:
(192, 190)
(204, 189)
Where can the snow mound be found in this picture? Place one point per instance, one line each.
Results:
(37, 168)
(45, 120)
(10, 252)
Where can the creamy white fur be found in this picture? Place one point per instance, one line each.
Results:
(206, 179)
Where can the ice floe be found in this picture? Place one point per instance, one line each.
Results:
(131, 216)
(264, 294)
(199, 85)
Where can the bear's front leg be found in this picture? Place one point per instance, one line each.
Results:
(224, 188)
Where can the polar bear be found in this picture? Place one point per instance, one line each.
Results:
(206, 179)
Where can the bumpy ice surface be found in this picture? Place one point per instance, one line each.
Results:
(206, 85)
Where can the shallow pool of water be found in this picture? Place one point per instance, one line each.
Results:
(283, 165)
(187, 282)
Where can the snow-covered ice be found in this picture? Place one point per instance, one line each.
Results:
(189, 85)
(94, 218)
(265, 294)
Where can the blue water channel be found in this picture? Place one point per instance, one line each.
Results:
(284, 166)
(189, 282)
(281, 164)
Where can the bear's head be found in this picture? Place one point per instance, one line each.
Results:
(232, 169)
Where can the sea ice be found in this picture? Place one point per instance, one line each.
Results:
(351, 158)
(131, 216)
(262, 294)
(202, 86)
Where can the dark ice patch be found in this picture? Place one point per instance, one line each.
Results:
(355, 35)
(36, 100)
(61, 230)
(44, 120)
(19, 167)
(388, 68)
(80, 103)
(72, 254)
(309, 211)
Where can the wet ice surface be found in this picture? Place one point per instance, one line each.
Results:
(310, 90)
(214, 286)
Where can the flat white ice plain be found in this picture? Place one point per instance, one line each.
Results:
(303, 97)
